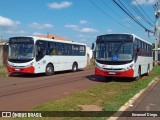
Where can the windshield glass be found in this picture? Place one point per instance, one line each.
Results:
(21, 50)
(114, 51)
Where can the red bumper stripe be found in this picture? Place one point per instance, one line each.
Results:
(21, 70)
(128, 73)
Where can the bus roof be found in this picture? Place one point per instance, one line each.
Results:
(141, 39)
(128, 34)
(49, 39)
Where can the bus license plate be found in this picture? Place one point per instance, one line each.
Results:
(17, 69)
(112, 73)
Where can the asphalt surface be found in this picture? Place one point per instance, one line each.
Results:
(23, 92)
(147, 105)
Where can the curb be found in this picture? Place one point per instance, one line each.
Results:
(130, 102)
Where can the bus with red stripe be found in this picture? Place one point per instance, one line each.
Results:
(122, 55)
(43, 55)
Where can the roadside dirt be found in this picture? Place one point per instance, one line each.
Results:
(23, 92)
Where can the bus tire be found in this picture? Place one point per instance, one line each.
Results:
(148, 70)
(74, 67)
(49, 70)
(108, 78)
(139, 74)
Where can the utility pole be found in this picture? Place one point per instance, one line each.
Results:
(156, 33)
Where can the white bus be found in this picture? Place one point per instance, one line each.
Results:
(123, 55)
(44, 55)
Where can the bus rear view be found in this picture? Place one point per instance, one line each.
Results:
(120, 55)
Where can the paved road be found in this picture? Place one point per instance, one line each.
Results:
(23, 92)
(148, 104)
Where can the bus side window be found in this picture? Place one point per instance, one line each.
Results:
(40, 50)
(66, 49)
(53, 52)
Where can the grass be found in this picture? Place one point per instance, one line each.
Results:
(91, 63)
(110, 95)
(3, 71)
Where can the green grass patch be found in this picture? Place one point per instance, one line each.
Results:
(3, 71)
(110, 95)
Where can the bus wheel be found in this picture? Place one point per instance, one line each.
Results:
(139, 74)
(49, 70)
(148, 70)
(108, 78)
(74, 67)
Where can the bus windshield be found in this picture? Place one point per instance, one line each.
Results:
(21, 50)
(114, 51)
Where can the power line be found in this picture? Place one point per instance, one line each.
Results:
(104, 12)
(110, 8)
(140, 14)
(144, 11)
(108, 15)
(104, 2)
(130, 15)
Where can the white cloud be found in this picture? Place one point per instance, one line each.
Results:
(48, 25)
(83, 22)
(80, 29)
(40, 26)
(109, 31)
(85, 36)
(144, 2)
(37, 34)
(83, 40)
(86, 30)
(13, 32)
(73, 27)
(7, 22)
(61, 5)
(22, 32)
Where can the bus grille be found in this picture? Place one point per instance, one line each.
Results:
(113, 68)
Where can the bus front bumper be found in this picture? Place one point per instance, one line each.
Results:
(29, 69)
(127, 73)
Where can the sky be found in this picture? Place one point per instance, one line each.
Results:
(77, 20)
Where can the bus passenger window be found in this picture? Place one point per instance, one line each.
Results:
(53, 52)
(40, 50)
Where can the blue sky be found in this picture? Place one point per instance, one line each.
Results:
(77, 20)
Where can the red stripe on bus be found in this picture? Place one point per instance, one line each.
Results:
(128, 73)
(21, 70)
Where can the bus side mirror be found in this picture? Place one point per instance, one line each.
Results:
(92, 46)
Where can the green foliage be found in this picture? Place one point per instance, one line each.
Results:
(3, 71)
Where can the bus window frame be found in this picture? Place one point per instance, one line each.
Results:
(40, 56)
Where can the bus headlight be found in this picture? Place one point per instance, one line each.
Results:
(30, 64)
(128, 68)
(97, 66)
